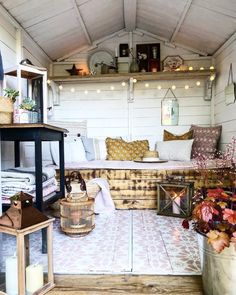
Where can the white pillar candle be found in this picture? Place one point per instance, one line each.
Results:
(11, 275)
(34, 278)
(116, 52)
(176, 205)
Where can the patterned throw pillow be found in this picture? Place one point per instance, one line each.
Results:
(120, 150)
(139, 147)
(170, 136)
(206, 140)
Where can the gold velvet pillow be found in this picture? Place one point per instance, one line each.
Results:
(120, 150)
(170, 136)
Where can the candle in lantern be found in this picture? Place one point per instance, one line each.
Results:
(34, 278)
(11, 275)
(176, 204)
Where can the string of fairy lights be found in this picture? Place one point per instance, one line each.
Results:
(147, 85)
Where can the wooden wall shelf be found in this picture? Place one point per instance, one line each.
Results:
(139, 76)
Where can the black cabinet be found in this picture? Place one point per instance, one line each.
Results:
(148, 56)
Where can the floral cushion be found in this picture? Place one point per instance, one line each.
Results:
(170, 136)
(120, 150)
(206, 140)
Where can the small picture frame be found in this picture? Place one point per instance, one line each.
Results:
(124, 50)
(169, 112)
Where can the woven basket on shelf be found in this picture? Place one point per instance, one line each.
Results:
(6, 110)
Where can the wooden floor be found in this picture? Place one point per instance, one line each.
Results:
(126, 284)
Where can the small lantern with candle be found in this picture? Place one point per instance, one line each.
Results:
(21, 277)
(174, 197)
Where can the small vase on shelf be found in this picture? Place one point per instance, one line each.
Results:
(134, 67)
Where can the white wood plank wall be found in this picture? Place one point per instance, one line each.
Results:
(225, 114)
(8, 47)
(108, 112)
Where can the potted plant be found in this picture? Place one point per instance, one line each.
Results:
(28, 112)
(214, 219)
(11, 94)
(7, 105)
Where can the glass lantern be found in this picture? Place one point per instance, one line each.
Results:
(174, 198)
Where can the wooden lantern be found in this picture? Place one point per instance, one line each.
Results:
(22, 213)
(21, 277)
(174, 198)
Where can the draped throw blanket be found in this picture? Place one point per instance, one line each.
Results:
(103, 201)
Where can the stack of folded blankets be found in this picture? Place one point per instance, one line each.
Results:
(23, 179)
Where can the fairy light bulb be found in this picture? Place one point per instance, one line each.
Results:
(123, 84)
(190, 68)
(159, 87)
(86, 92)
(146, 85)
(212, 77)
(134, 80)
(198, 83)
(98, 91)
(48, 81)
(186, 87)
(173, 87)
(112, 87)
(72, 89)
(212, 68)
(60, 87)
(201, 68)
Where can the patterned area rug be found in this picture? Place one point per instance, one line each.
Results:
(129, 241)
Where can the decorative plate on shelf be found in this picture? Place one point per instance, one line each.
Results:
(101, 56)
(171, 63)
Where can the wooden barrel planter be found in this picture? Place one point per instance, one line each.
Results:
(77, 216)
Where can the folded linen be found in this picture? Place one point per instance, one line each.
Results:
(11, 188)
(103, 202)
(48, 192)
(26, 174)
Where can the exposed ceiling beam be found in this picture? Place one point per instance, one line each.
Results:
(94, 45)
(171, 44)
(130, 12)
(81, 21)
(181, 20)
(15, 23)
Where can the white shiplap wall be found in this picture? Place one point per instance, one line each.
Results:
(109, 113)
(10, 51)
(225, 114)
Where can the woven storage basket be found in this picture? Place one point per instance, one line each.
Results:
(6, 110)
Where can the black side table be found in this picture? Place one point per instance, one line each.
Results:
(37, 133)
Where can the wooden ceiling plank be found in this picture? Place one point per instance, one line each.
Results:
(130, 13)
(93, 45)
(81, 21)
(15, 23)
(181, 20)
(217, 7)
(225, 45)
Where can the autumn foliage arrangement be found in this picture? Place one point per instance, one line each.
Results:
(214, 209)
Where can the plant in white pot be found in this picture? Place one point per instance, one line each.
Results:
(27, 111)
(214, 219)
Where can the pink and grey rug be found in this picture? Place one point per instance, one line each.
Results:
(129, 241)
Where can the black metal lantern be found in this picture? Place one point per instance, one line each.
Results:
(174, 198)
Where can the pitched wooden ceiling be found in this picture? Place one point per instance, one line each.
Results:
(62, 26)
